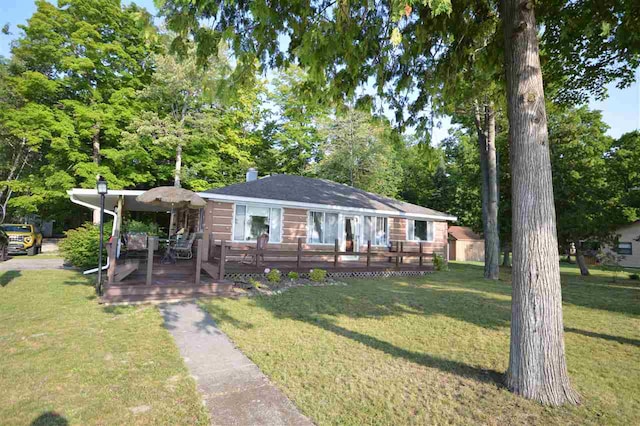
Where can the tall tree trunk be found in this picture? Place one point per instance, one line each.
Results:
(95, 141)
(584, 270)
(176, 183)
(176, 174)
(13, 171)
(505, 256)
(537, 364)
(486, 128)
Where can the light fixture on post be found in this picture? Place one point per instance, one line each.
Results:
(102, 188)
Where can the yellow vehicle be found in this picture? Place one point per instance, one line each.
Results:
(23, 238)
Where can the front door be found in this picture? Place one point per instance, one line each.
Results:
(351, 233)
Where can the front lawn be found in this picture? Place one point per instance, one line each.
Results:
(432, 350)
(64, 358)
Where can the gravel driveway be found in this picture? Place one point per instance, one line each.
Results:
(22, 263)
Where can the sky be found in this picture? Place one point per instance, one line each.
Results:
(621, 110)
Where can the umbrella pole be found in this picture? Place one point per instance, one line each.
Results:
(171, 222)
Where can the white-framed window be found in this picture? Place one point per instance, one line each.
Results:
(249, 222)
(322, 227)
(625, 249)
(419, 230)
(376, 230)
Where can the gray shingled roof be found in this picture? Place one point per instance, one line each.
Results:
(319, 191)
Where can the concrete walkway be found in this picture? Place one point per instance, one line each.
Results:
(22, 263)
(235, 391)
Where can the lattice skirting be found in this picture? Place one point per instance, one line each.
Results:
(240, 277)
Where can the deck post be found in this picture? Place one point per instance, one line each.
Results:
(421, 254)
(401, 251)
(299, 254)
(397, 255)
(151, 243)
(336, 249)
(368, 254)
(223, 258)
(211, 245)
(111, 255)
(257, 256)
(199, 256)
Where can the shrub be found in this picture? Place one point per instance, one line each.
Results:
(318, 275)
(81, 246)
(136, 226)
(634, 277)
(255, 283)
(274, 276)
(439, 263)
(293, 275)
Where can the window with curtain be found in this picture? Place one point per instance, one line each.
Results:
(419, 230)
(322, 228)
(250, 222)
(375, 230)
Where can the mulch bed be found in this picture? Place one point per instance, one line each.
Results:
(262, 287)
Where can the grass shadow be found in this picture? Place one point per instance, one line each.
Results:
(50, 418)
(619, 339)
(381, 298)
(7, 277)
(449, 366)
(81, 280)
(119, 309)
(594, 291)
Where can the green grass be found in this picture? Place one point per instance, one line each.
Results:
(432, 350)
(63, 357)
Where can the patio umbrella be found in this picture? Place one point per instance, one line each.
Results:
(172, 197)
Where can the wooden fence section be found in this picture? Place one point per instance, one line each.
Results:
(252, 260)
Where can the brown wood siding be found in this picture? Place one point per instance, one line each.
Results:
(398, 233)
(294, 226)
(218, 219)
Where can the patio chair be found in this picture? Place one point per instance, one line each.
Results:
(261, 244)
(183, 247)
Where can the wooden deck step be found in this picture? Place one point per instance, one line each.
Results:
(210, 269)
(168, 290)
(125, 269)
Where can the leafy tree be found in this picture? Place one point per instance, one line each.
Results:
(291, 137)
(357, 152)
(192, 116)
(178, 91)
(73, 76)
(587, 207)
(624, 173)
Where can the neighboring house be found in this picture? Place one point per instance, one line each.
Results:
(319, 212)
(465, 245)
(629, 245)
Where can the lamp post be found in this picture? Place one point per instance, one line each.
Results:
(102, 188)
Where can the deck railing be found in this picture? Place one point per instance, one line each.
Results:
(394, 256)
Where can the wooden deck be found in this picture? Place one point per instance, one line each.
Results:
(147, 280)
(169, 283)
